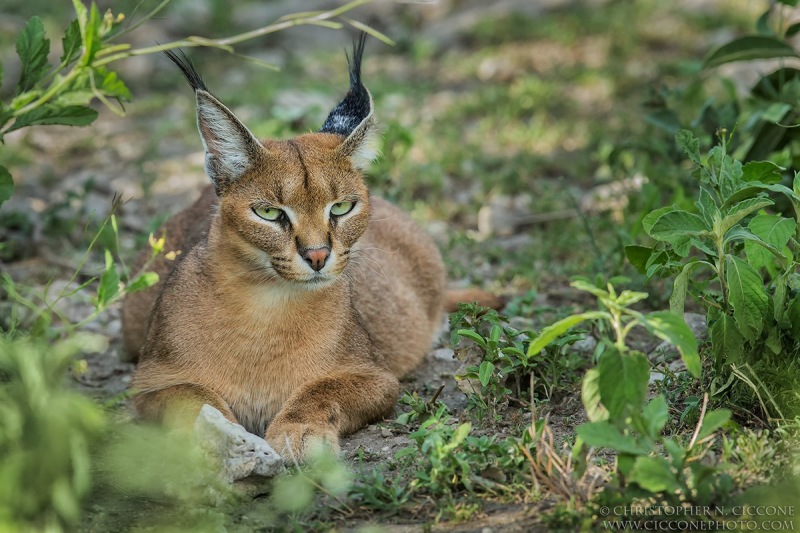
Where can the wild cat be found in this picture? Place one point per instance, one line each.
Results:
(300, 298)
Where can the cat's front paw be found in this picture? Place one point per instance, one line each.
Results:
(298, 441)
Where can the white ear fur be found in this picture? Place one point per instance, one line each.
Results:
(363, 145)
(231, 149)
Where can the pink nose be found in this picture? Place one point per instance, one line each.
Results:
(317, 257)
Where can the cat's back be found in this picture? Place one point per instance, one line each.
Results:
(398, 280)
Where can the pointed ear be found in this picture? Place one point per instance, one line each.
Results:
(352, 118)
(231, 149)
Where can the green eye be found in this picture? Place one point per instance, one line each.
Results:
(341, 208)
(268, 213)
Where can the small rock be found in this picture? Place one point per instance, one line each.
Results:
(443, 354)
(385, 433)
(697, 323)
(385, 449)
(499, 217)
(239, 454)
(586, 345)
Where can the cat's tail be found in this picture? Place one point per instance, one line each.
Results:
(454, 297)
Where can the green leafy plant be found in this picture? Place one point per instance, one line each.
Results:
(764, 118)
(42, 484)
(506, 365)
(615, 397)
(421, 408)
(737, 257)
(452, 460)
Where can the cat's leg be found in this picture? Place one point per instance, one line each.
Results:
(178, 406)
(335, 405)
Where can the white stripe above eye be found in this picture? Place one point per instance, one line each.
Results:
(289, 213)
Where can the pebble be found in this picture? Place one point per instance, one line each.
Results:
(385, 433)
(443, 354)
(238, 453)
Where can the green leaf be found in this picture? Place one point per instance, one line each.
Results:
(762, 24)
(32, 49)
(773, 341)
(653, 216)
(676, 452)
(623, 381)
(740, 210)
(763, 171)
(590, 395)
(485, 372)
(723, 171)
(110, 85)
(707, 207)
(748, 48)
(727, 344)
(690, 145)
(654, 474)
(713, 421)
(605, 435)
(656, 415)
(677, 299)
(90, 34)
(773, 230)
(752, 189)
(6, 184)
(678, 223)
(628, 298)
(673, 329)
(53, 114)
(755, 244)
(109, 282)
(792, 30)
(458, 437)
(776, 114)
(747, 296)
(796, 184)
(550, 333)
(71, 43)
(638, 256)
(472, 335)
(144, 281)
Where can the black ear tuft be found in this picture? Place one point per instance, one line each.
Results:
(231, 149)
(357, 104)
(187, 67)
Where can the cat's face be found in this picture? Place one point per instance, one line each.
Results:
(298, 213)
(290, 210)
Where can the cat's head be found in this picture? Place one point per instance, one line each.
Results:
(292, 208)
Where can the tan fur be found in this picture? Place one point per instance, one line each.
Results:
(298, 300)
(304, 363)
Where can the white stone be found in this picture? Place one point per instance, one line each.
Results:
(239, 454)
